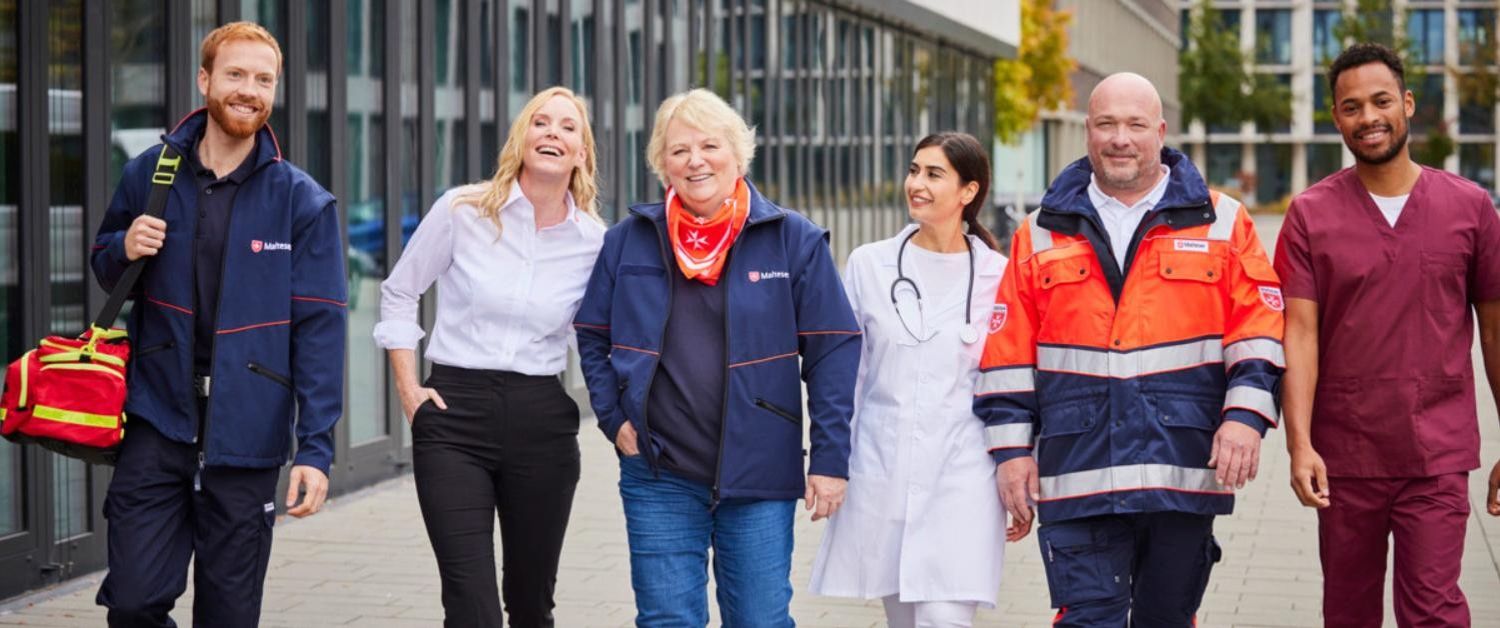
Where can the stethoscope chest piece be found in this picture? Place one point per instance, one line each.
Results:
(968, 335)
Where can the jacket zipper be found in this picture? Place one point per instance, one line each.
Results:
(213, 351)
(645, 436)
(713, 503)
(269, 374)
(776, 410)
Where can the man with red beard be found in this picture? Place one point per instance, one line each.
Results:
(1381, 265)
(239, 333)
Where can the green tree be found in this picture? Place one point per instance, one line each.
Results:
(1216, 84)
(1037, 79)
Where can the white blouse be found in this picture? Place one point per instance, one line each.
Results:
(505, 304)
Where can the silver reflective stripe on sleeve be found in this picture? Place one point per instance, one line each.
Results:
(1133, 477)
(1225, 212)
(1008, 380)
(1254, 349)
(1129, 364)
(1008, 436)
(1250, 398)
(1041, 238)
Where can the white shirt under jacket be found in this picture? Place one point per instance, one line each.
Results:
(922, 516)
(504, 305)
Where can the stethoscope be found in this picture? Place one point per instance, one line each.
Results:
(967, 333)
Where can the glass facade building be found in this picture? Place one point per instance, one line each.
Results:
(1295, 40)
(390, 102)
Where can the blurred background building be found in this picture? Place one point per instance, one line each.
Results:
(390, 102)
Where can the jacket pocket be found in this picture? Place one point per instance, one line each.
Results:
(1064, 271)
(145, 351)
(1188, 266)
(778, 411)
(270, 374)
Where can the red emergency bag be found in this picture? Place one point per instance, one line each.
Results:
(68, 394)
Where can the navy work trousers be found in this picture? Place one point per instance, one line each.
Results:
(158, 522)
(1146, 570)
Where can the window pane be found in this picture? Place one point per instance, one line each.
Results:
(11, 484)
(1273, 27)
(451, 140)
(1224, 164)
(1476, 35)
(65, 148)
(1323, 160)
(366, 208)
(1428, 93)
(1425, 29)
(319, 149)
(1273, 173)
(1326, 46)
(1476, 162)
(489, 131)
(205, 16)
(1322, 106)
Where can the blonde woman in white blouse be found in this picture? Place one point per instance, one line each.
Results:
(493, 431)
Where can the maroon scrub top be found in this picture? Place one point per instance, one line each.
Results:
(1395, 394)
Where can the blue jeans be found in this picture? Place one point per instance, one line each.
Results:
(671, 530)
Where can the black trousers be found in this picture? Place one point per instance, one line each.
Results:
(158, 522)
(507, 443)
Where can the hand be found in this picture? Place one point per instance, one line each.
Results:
(144, 237)
(1020, 490)
(1016, 529)
(824, 495)
(1494, 501)
(626, 441)
(315, 485)
(1310, 478)
(1236, 454)
(412, 397)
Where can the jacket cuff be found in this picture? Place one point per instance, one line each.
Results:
(829, 466)
(610, 424)
(1008, 454)
(315, 454)
(1255, 421)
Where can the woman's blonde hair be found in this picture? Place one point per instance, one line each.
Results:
(705, 111)
(489, 196)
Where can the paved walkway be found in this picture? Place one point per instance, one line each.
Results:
(365, 561)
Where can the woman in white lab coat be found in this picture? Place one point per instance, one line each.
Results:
(922, 526)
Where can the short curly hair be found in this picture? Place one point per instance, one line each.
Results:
(1364, 54)
(236, 31)
(705, 111)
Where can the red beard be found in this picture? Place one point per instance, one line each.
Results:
(235, 126)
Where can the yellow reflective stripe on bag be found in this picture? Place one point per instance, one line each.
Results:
(21, 402)
(76, 418)
(84, 367)
(78, 355)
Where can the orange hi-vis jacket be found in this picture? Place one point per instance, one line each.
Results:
(1117, 379)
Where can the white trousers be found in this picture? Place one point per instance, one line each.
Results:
(900, 614)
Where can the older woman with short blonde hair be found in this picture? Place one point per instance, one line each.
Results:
(690, 334)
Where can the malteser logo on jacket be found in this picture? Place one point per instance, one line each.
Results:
(1272, 298)
(257, 246)
(757, 275)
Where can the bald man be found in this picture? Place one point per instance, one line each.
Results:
(1131, 370)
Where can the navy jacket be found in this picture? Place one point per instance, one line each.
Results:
(785, 301)
(278, 358)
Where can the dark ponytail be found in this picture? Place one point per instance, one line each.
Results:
(970, 162)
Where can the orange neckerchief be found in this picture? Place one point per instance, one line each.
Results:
(702, 244)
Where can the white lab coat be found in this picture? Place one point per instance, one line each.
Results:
(922, 517)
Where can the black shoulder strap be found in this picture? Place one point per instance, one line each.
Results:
(161, 183)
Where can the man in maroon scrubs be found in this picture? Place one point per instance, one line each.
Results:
(1380, 264)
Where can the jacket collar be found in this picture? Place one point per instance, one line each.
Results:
(761, 210)
(184, 139)
(1067, 199)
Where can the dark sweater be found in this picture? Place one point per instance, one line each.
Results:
(685, 406)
